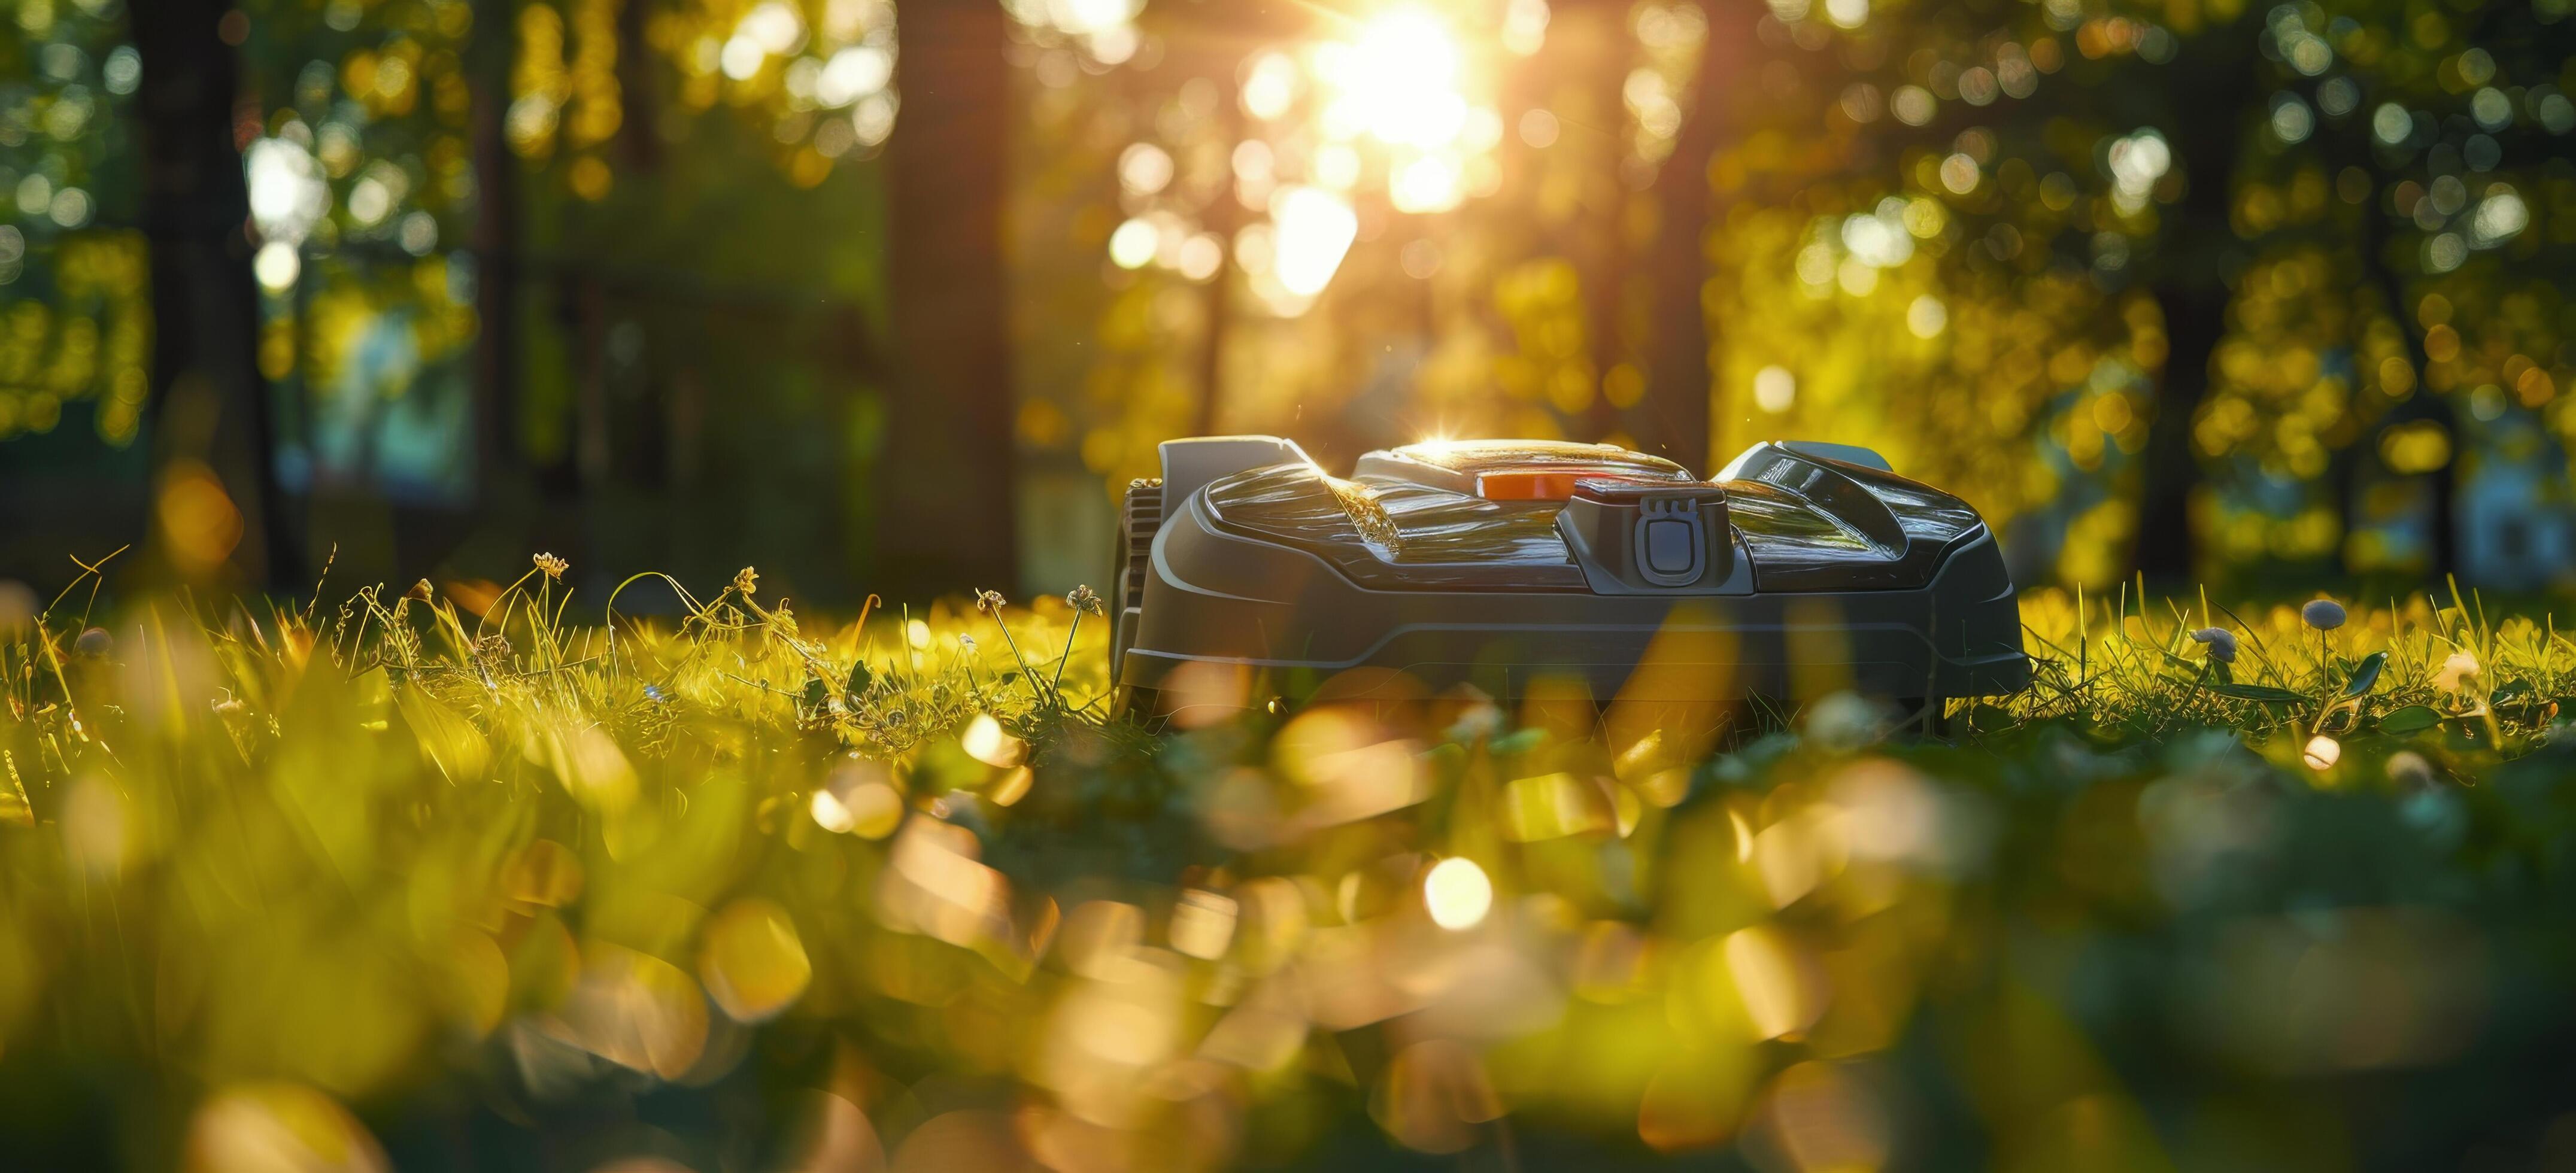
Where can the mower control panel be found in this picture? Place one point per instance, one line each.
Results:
(1634, 537)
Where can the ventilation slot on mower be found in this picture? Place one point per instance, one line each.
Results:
(1136, 527)
(1144, 517)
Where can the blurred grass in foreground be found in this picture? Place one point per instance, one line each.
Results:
(388, 882)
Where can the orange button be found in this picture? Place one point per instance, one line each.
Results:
(1548, 484)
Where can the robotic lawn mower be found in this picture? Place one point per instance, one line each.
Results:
(1800, 568)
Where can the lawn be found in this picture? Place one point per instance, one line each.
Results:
(459, 877)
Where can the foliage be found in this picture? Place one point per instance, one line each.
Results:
(1971, 236)
(368, 159)
(2313, 255)
(74, 327)
(379, 880)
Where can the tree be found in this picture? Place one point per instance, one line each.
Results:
(2208, 92)
(1680, 383)
(209, 412)
(497, 233)
(2244, 282)
(945, 509)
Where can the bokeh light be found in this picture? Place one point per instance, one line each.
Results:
(1458, 893)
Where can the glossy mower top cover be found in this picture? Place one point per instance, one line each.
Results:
(1801, 567)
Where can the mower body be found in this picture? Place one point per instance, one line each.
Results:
(1799, 569)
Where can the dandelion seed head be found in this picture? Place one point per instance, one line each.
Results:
(2221, 643)
(2409, 768)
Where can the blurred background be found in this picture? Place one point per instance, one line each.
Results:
(897, 297)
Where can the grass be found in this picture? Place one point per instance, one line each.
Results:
(2390, 672)
(456, 882)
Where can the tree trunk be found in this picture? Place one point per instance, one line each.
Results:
(946, 512)
(1224, 217)
(209, 404)
(1601, 235)
(496, 254)
(1679, 385)
(2194, 275)
(639, 140)
(2195, 321)
(2442, 543)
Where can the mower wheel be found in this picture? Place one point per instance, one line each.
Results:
(1138, 521)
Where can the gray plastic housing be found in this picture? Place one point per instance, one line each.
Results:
(1188, 465)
